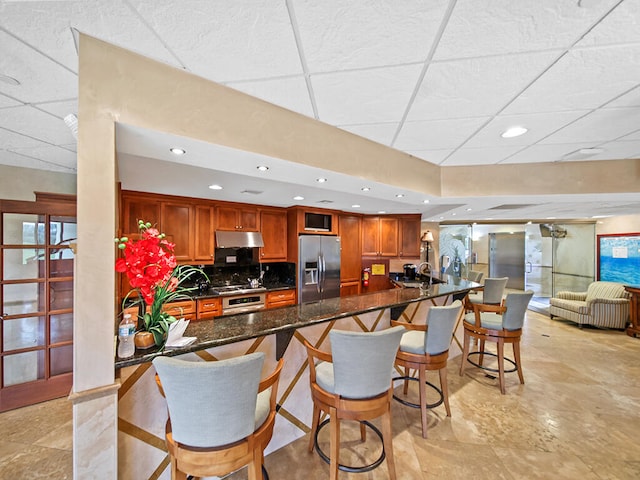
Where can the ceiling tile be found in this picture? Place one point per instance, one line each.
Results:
(632, 136)
(582, 79)
(544, 153)
(8, 102)
(40, 78)
(489, 27)
(34, 123)
(620, 26)
(630, 99)
(10, 139)
(604, 125)
(57, 156)
(364, 96)
(226, 41)
(473, 87)
(480, 156)
(17, 160)
(379, 132)
(539, 125)
(431, 156)
(47, 27)
(60, 109)
(290, 93)
(339, 35)
(619, 149)
(437, 134)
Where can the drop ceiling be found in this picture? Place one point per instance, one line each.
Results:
(440, 80)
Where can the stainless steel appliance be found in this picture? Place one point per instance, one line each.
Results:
(318, 267)
(240, 298)
(507, 257)
(409, 271)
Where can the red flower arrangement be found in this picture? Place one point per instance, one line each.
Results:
(151, 267)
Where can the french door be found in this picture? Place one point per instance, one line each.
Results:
(36, 299)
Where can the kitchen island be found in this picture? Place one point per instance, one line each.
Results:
(279, 333)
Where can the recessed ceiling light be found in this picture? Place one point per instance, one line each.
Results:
(177, 151)
(215, 187)
(551, 218)
(382, 211)
(355, 206)
(399, 195)
(365, 189)
(298, 197)
(321, 180)
(591, 151)
(469, 209)
(425, 201)
(453, 214)
(262, 168)
(513, 132)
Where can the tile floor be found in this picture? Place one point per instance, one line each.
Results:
(577, 417)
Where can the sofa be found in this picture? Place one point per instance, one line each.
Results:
(604, 304)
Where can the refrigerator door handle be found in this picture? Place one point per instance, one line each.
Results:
(324, 272)
(319, 284)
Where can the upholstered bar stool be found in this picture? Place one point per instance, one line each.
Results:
(497, 323)
(491, 294)
(353, 382)
(221, 416)
(426, 348)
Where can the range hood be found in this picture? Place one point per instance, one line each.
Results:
(238, 239)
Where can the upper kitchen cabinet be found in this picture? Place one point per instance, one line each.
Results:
(380, 237)
(177, 222)
(234, 218)
(273, 225)
(314, 221)
(409, 239)
(204, 242)
(350, 256)
(137, 207)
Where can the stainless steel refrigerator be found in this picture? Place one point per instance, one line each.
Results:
(318, 267)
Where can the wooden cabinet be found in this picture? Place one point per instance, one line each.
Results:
(209, 308)
(350, 254)
(237, 218)
(379, 237)
(204, 242)
(281, 298)
(273, 225)
(136, 208)
(349, 288)
(409, 236)
(183, 309)
(177, 222)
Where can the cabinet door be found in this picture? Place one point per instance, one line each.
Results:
(204, 234)
(370, 237)
(410, 237)
(248, 219)
(274, 234)
(349, 288)
(388, 237)
(134, 209)
(281, 298)
(177, 223)
(350, 253)
(226, 218)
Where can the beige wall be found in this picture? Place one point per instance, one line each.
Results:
(18, 183)
(622, 224)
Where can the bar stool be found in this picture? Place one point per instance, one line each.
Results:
(491, 294)
(221, 416)
(426, 348)
(353, 382)
(497, 323)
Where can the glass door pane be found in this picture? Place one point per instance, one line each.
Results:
(573, 257)
(455, 249)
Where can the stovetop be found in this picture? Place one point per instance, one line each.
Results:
(235, 289)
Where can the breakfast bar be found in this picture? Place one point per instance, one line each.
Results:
(279, 333)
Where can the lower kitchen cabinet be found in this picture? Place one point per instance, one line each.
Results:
(183, 309)
(209, 308)
(281, 298)
(349, 288)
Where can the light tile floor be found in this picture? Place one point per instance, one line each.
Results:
(577, 417)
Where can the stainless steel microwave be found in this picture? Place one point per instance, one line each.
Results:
(317, 222)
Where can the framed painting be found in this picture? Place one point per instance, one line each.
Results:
(619, 258)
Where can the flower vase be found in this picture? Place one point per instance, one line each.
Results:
(144, 340)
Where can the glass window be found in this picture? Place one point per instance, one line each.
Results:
(23, 367)
(23, 333)
(23, 298)
(61, 360)
(60, 295)
(61, 328)
(22, 263)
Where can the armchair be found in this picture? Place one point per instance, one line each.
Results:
(604, 304)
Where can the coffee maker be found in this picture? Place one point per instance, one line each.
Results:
(409, 271)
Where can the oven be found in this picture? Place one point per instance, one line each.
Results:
(247, 302)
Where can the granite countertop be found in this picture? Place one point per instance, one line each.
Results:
(234, 328)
